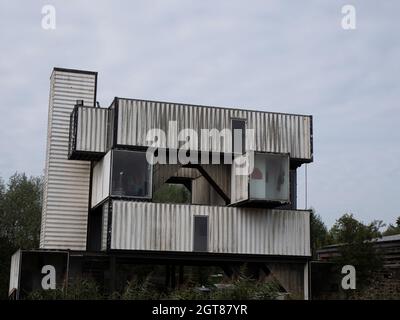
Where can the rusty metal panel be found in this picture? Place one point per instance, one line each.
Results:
(66, 183)
(158, 226)
(274, 132)
(101, 180)
(91, 131)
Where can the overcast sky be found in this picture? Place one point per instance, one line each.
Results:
(285, 56)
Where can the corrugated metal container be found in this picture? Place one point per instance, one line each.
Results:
(101, 180)
(91, 129)
(189, 173)
(200, 191)
(169, 227)
(162, 172)
(221, 175)
(66, 182)
(239, 185)
(273, 132)
(104, 226)
(14, 271)
(293, 277)
(204, 193)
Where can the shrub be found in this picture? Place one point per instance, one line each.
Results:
(78, 289)
(140, 290)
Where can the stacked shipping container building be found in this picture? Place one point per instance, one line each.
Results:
(101, 194)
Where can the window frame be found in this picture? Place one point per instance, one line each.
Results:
(282, 201)
(244, 149)
(194, 234)
(112, 195)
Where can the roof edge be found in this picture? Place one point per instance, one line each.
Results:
(74, 70)
(215, 107)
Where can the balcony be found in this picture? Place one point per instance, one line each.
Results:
(89, 133)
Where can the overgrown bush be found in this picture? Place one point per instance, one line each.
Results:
(247, 289)
(379, 288)
(79, 289)
(187, 293)
(140, 291)
(142, 288)
(57, 294)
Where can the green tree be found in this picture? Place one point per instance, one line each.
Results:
(2, 189)
(172, 193)
(393, 229)
(357, 245)
(20, 212)
(319, 232)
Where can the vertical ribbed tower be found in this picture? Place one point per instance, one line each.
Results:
(66, 182)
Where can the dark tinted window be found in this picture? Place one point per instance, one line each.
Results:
(131, 174)
(239, 136)
(200, 240)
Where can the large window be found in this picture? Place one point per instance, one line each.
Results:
(131, 174)
(269, 180)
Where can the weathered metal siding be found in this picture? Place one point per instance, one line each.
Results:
(157, 226)
(190, 173)
(104, 227)
(14, 271)
(91, 132)
(200, 191)
(204, 193)
(221, 175)
(66, 182)
(239, 185)
(162, 172)
(274, 132)
(101, 180)
(291, 276)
